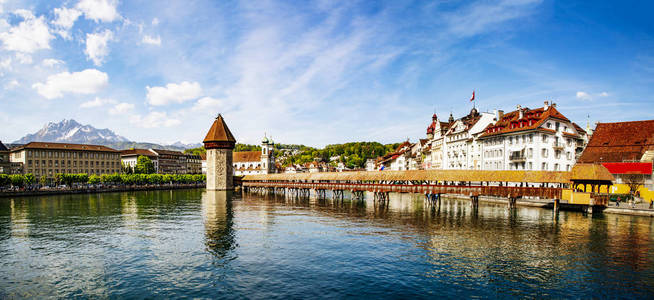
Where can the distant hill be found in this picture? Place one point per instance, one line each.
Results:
(70, 131)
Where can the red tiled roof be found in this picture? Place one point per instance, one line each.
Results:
(219, 132)
(531, 119)
(167, 152)
(578, 128)
(619, 142)
(138, 152)
(63, 146)
(246, 156)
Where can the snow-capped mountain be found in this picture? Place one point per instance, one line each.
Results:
(70, 131)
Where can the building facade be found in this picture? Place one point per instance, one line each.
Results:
(171, 162)
(48, 159)
(5, 164)
(256, 162)
(460, 147)
(129, 158)
(193, 164)
(540, 139)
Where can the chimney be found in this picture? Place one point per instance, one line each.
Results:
(553, 104)
(546, 105)
(500, 114)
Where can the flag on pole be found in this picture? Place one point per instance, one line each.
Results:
(473, 96)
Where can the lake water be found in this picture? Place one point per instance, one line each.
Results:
(202, 244)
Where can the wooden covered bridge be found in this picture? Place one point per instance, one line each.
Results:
(511, 185)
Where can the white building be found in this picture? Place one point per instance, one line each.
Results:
(460, 147)
(255, 162)
(434, 147)
(530, 139)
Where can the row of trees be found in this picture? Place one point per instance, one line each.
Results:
(353, 155)
(114, 179)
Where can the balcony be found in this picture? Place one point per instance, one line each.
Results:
(558, 146)
(517, 158)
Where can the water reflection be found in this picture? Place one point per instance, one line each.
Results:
(219, 222)
(203, 244)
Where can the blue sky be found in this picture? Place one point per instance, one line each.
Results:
(316, 72)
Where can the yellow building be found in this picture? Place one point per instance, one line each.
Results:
(44, 158)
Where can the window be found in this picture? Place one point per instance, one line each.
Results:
(557, 126)
(529, 165)
(544, 154)
(549, 125)
(557, 154)
(556, 167)
(544, 166)
(544, 138)
(530, 152)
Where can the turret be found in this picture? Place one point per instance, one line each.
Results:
(219, 143)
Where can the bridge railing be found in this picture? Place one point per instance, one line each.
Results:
(468, 190)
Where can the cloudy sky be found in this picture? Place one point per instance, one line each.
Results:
(316, 72)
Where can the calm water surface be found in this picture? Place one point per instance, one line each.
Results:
(202, 244)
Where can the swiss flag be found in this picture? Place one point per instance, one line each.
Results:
(473, 96)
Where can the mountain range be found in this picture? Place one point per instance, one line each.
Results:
(71, 131)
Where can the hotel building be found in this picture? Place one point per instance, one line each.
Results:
(45, 158)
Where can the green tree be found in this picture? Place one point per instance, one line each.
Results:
(144, 165)
(94, 179)
(29, 178)
(17, 180)
(43, 180)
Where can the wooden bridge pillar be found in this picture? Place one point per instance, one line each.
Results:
(512, 202)
(557, 204)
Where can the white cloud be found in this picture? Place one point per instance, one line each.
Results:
(209, 104)
(155, 22)
(5, 63)
(173, 92)
(121, 108)
(97, 102)
(604, 94)
(12, 85)
(51, 62)
(23, 58)
(99, 10)
(88, 81)
(28, 36)
(64, 20)
(151, 40)
(583, 96)
(96, 46)
(66, 17)
(154, 119)
(482, 17)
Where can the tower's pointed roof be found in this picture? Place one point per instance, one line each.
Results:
(219, 132)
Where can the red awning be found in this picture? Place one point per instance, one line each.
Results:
(629, 168)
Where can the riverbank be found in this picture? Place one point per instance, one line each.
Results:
(106, 189)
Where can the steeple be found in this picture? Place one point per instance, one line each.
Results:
(451, 119)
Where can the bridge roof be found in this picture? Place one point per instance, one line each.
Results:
(440, 175)
(591, 172)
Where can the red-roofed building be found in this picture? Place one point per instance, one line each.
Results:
(624, 148)
(531, 139)
(255, 162)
